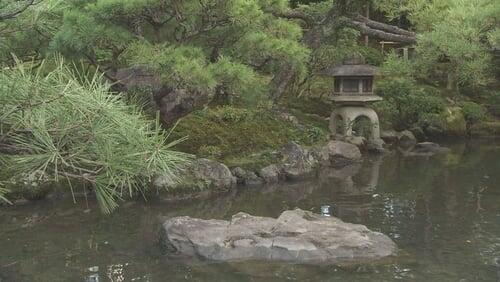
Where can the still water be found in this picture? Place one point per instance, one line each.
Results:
(443, 212)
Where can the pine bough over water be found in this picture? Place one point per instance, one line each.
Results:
(65, 126)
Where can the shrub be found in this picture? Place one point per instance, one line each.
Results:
(315, 134)
(407, 103)
(473, 114)
(66, 126)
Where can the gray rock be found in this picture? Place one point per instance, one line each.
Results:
(358, 141)
(202, 174)
(289, 118)
(246, 177)
(270, 173)
(406, 137)
(321, 155)
(297, 161)
(389, 136)
(296, 236)
(216, 175)
(376, 146)
(342, 153)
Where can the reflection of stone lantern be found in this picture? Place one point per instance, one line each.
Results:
(353, 91)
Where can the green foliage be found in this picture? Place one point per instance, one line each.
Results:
(406, 104)
(295, 3)
(473, 113)
(28, 34)
(494, 38)
(315, 134)
(205, 46)
(4, 192)
(454, 36)
(395, 67)
(67, 127)
(184, 67)
(372, 56)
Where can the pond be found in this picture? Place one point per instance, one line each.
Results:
(443, 212)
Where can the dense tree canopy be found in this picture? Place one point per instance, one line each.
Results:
(198, 45)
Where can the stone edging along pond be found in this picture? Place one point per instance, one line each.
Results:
(296, 162)
(205, 177)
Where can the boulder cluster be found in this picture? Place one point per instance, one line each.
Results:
(296, 162)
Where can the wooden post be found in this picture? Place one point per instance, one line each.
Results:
(405, 53)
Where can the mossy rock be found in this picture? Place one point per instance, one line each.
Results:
(453, 121)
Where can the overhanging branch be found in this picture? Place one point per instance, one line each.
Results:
(294, 14)
(16, 12)
(364, 25)
(366, 30)
(384, 27)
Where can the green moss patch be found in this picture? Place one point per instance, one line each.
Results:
(242, 137)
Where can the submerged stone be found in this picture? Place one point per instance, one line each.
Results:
(246, 177)
(429, 148)
(295, 236)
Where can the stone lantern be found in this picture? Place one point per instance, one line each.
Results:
(353, 92)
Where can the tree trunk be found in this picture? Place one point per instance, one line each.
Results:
(281, 81)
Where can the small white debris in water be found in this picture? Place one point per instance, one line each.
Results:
(375, 195)
(93, 269)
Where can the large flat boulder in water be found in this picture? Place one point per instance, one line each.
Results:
(295, 236)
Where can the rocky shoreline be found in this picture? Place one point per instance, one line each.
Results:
(297, 162)
(205, 177)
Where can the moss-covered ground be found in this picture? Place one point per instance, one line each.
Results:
(247, 137)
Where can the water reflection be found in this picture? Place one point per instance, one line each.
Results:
(443, 212)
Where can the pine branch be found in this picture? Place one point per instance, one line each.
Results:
(364, 25)
(15, 13)
(366, 30)
(294, 14)
(384, 27)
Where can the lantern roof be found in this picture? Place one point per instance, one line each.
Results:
(352, 70)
